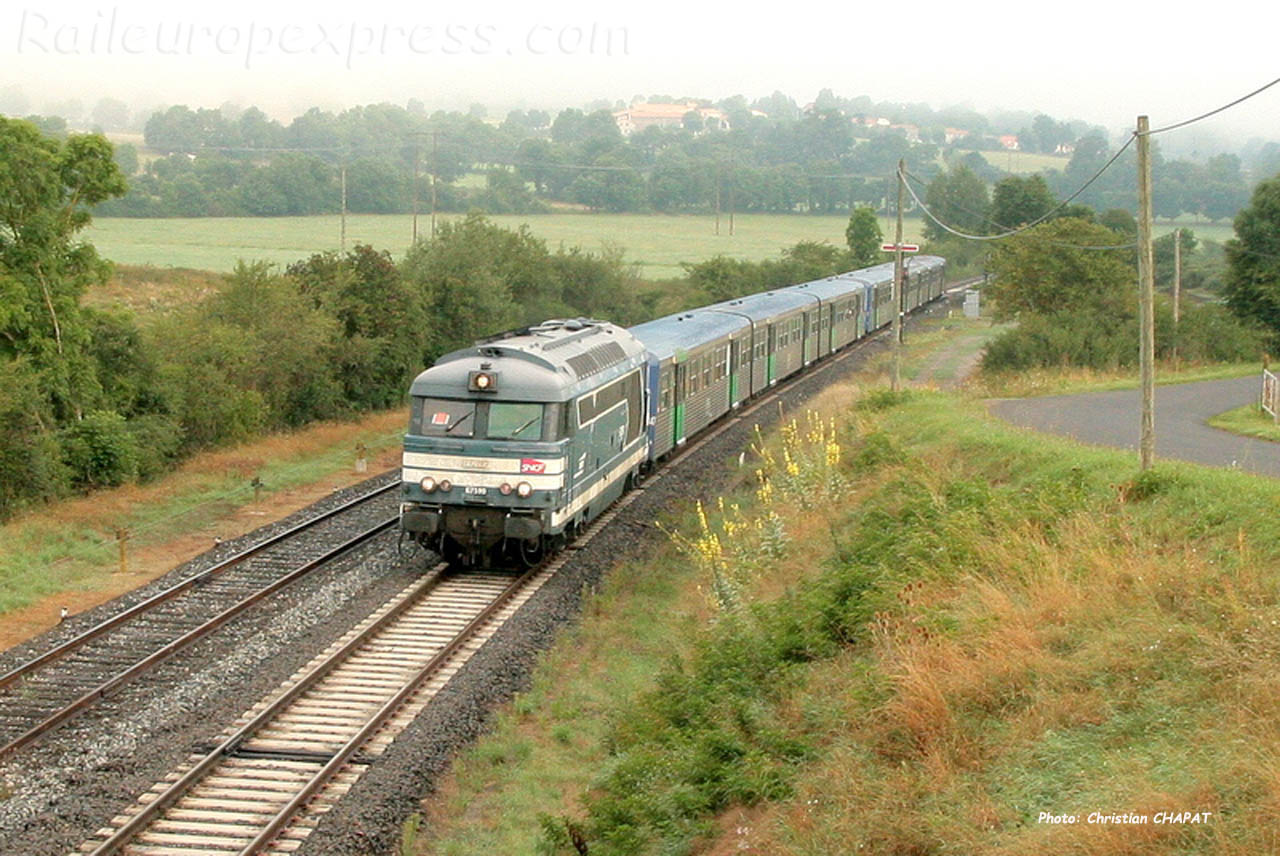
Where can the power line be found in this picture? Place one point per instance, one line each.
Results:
(1061, 205)
(1215, 111)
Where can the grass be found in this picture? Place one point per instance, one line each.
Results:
(1068, 381)
(1045, 631)
(1249, 421)
(69, 550)
(147, 290)
(546, 743)
(658, 243)
(1021, 163)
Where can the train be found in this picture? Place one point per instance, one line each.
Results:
(516, 443)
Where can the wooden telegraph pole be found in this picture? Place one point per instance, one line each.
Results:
(1146, 296)
(1177, 289)
(897, 280)
(342, 227)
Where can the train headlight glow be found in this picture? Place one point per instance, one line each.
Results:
(524, 490)
(428, 484)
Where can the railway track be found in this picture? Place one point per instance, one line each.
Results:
(273, 774)
(49, 689)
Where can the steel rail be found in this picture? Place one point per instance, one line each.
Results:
(168, 594)
(197, 633)
(228, 747)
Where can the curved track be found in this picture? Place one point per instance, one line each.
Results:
(283, 766)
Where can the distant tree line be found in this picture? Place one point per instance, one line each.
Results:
(92, 398)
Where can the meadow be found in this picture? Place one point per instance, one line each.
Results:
(658, 243)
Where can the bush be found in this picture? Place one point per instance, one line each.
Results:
(1210, 333)
(1069, 338)
(158, 439)
(31, 467)
(100, 451)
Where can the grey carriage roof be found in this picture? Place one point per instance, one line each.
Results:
(685, 331)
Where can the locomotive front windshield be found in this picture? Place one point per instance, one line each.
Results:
(491, 420)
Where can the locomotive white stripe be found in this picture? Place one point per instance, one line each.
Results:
(510, 466)
(471, 478)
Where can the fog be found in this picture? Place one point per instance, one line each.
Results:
(1100, 62)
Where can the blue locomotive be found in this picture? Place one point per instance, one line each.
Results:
(516, 443)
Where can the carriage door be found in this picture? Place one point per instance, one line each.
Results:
(682, 375)
(735, 360)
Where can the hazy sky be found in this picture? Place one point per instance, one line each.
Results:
(1082, 59)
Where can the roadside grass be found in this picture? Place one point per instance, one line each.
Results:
(658, 243)
(1038, 382)
(975, 625)
(1067, 638)
(1249, 420)
(70, 548)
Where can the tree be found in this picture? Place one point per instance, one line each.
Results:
(383, 333)
(1252, 285)
(864, 237)
(959, 199)
(46, 188)
(1017, 201)
(1044, 271)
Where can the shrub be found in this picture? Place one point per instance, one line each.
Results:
(100, 451)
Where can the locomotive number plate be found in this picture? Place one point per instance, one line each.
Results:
(476, 491)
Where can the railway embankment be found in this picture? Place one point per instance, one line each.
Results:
(909, 628)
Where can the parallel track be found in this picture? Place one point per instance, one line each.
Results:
(49, 689)
(277, 771)
(273, 775)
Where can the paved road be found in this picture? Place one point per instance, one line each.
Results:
(1112, 419)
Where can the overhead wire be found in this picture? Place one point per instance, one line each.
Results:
(1213, 112)
(1052, 211)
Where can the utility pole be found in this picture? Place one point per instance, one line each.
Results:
(1177, 274)
(435, 138)
(730, 189)
(897, 281)
(342, 227)
(1146, 297)
(417, 148)
(1177, 291)
(719, 181)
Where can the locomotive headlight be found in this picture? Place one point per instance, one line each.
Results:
(505, 490)
(482, 381)
(445, 485)
(428, 484)
(524, 490)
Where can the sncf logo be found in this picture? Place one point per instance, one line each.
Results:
(528, 466)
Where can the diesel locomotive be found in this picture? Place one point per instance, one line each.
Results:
(517, 442)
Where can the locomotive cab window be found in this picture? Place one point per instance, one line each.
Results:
(442, 417)
(514, 421)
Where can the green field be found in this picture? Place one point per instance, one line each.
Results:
(658, 243)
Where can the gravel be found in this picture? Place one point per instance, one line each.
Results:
(57, 793)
